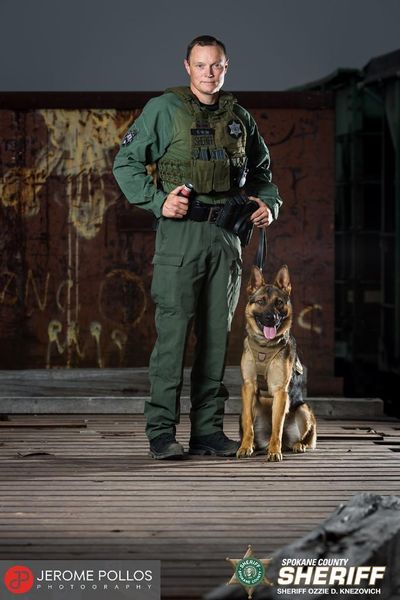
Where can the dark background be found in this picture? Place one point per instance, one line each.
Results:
(90, 45)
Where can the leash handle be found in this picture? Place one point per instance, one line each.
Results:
(261, 253)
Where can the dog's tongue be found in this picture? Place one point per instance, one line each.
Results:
(269, 332)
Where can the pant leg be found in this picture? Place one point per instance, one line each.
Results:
(179, 269)
(217, 303)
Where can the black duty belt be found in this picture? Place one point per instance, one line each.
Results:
(199, 211)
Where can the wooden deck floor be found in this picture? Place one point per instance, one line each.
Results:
(76, 486)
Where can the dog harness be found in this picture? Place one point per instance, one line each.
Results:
(263, 355)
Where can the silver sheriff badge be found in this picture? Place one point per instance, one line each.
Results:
(235, 129)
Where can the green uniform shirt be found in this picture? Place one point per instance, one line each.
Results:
(163, 128)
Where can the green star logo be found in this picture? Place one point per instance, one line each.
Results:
(249, 572)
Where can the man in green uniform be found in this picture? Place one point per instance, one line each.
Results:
(200, 135)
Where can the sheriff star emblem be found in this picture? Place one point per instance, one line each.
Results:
(249, 572)
(235, 129)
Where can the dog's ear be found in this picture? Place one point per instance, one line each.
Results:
(282, 280)
(256, 281)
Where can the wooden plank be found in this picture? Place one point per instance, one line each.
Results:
(98, 494)
(40, 425)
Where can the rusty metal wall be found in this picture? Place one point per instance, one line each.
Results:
(75, 257)
(302, 151)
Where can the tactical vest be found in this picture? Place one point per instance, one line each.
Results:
(263, 356)
(208, 147)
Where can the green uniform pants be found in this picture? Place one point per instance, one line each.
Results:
(197, 273)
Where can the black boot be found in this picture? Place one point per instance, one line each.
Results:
(166, 446)
(216, 444)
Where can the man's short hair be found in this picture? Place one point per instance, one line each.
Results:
(205, 40)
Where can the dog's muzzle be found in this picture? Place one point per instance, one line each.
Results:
(269, 324)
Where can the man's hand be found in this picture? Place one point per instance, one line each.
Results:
(175, 206)
(262, 217)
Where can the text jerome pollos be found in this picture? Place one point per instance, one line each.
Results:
(94, 580)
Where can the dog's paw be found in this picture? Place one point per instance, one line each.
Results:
(274, 456)
(299, 447)
(274, 452)
(244, 451)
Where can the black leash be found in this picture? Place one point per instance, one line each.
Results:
(261, 253)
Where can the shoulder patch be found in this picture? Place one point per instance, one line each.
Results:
(129, 137)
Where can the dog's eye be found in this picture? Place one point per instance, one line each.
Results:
(279, 303)
(260, 302)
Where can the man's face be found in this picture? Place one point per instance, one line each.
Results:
(206, 68)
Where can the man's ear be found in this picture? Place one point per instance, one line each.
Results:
(282, 280)
(187, 67)
(256, 281)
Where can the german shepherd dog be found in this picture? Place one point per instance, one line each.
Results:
(273, 411)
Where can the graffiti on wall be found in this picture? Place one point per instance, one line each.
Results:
(78, 152)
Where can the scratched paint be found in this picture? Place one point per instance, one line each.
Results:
(75, 257)
(309, 317)
(77, 149)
